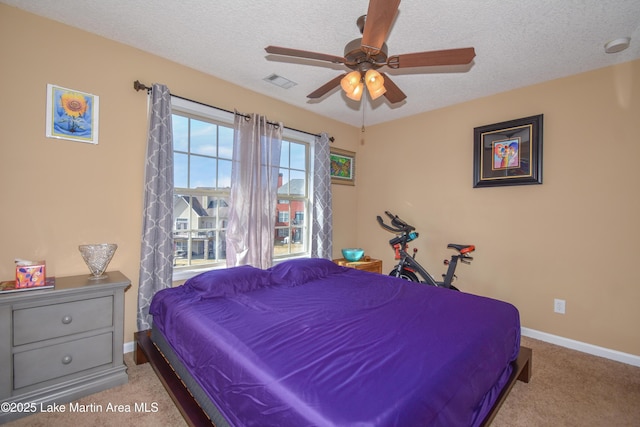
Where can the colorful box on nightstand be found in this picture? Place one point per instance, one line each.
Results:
(30, 274)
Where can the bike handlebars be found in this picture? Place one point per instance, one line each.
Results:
(406, 235)
(385, 226)
(399, 226)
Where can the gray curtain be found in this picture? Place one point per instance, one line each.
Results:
(321, 226)
(156, 257)
(254, 192)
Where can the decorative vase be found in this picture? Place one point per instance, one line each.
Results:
(97, 258)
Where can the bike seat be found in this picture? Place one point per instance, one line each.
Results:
(463, 249)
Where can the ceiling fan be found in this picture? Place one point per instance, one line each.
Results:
(365, 55)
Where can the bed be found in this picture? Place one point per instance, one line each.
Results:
(310, 343)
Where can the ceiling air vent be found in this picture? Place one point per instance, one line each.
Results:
(280, 81)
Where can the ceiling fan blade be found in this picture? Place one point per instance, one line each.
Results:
(326, 87)
(393, 93)
(275, 50)
(378, 23)
(435, 57)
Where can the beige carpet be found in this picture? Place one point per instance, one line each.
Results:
(568, 388)
(143, 387)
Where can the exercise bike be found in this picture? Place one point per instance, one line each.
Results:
(408, 268)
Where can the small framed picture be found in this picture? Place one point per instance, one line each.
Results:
(343, 166)
(508, 153)
(72, 115)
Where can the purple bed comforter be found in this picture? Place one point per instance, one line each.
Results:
(309, 343)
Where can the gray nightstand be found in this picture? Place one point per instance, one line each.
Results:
(57, 345)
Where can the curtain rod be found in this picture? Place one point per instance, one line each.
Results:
(141, 86)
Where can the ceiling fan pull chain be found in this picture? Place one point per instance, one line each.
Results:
(364, 105)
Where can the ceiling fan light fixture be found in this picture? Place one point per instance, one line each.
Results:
(351, 81)
(374, 79)
(375, 84)
(356, 93)
(375, 94)
(370, 52)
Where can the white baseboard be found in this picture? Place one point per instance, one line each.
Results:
(618, 356)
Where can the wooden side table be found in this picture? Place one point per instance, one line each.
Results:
(365, 264)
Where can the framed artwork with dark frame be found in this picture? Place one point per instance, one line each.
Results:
(342, 166)
(508, 153)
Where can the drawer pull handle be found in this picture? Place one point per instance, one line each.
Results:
(67, 319)
(66, 360)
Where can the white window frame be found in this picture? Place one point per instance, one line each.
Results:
(289, 200)
(226, 118)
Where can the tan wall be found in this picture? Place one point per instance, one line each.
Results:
(57, 194)
(575, 237)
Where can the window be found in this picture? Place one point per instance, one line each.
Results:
(293, 201)
(283, 216)
(202, 178)
(203, 146)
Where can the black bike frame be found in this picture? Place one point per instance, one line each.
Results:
(408, 262)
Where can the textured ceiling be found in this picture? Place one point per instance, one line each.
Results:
(517, 43)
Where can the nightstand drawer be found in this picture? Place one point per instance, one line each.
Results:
(58, 320)
(46, 363)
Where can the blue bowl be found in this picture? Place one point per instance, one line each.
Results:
(352, 254)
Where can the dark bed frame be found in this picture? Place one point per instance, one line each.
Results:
(146, 351)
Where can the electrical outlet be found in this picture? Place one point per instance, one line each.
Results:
(559, 306)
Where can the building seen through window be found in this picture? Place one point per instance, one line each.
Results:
(203, 148)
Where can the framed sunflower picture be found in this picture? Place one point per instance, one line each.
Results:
(72, 115)
(343, 166)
